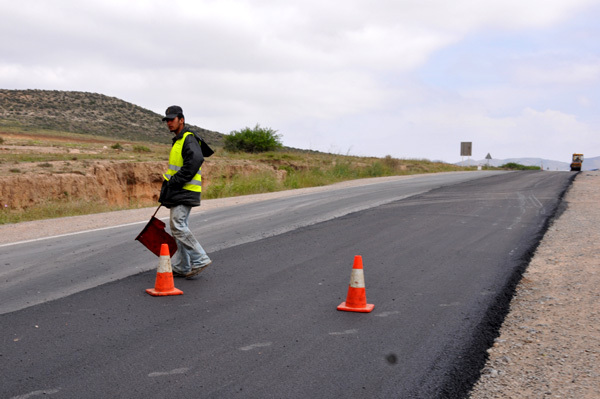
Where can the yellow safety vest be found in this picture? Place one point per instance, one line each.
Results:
(176, 162)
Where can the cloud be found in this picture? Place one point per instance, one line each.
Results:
(407, 78)
(564, 73)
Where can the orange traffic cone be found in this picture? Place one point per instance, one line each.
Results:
(356, 301)
(164, 276)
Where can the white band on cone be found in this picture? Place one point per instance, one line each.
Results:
(357, 279)
(164, 265)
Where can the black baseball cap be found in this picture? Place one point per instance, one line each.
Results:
(172, 112)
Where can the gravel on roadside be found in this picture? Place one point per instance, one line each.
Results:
(549, 343)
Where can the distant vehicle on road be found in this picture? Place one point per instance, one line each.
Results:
(577, 161)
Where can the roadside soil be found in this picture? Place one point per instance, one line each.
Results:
(549, 343)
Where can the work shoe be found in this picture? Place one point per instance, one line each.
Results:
(178, 274)
(196, 271)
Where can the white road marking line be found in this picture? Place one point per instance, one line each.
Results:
(254, 346)
(172, 372)
(36, 393)
(347, 332)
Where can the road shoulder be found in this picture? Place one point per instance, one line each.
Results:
(549, 343)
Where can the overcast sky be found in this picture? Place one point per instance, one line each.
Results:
(406, 78)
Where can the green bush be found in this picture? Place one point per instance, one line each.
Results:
(141, 148)
(253, 140)
(518, 166)
(116, 146)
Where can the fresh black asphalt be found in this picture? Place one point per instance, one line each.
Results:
(440, 268)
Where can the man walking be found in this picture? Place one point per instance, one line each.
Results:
(181, 191)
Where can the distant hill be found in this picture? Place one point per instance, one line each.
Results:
(547, 164)
(86, 113)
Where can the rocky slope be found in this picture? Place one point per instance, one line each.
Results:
(86, 113)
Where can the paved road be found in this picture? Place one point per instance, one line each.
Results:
(53, 268)
(262, 323)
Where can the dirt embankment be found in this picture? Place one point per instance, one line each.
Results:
(82, 168)
(114, 183)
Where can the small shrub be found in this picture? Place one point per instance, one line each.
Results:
(45, 165)
(141, 148)
(391, 163)
(253, 140)
(116, 146)
(15, 170)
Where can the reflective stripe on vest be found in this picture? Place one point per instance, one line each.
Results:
(176, 162)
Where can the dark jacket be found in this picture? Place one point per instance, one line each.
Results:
(172, 192)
